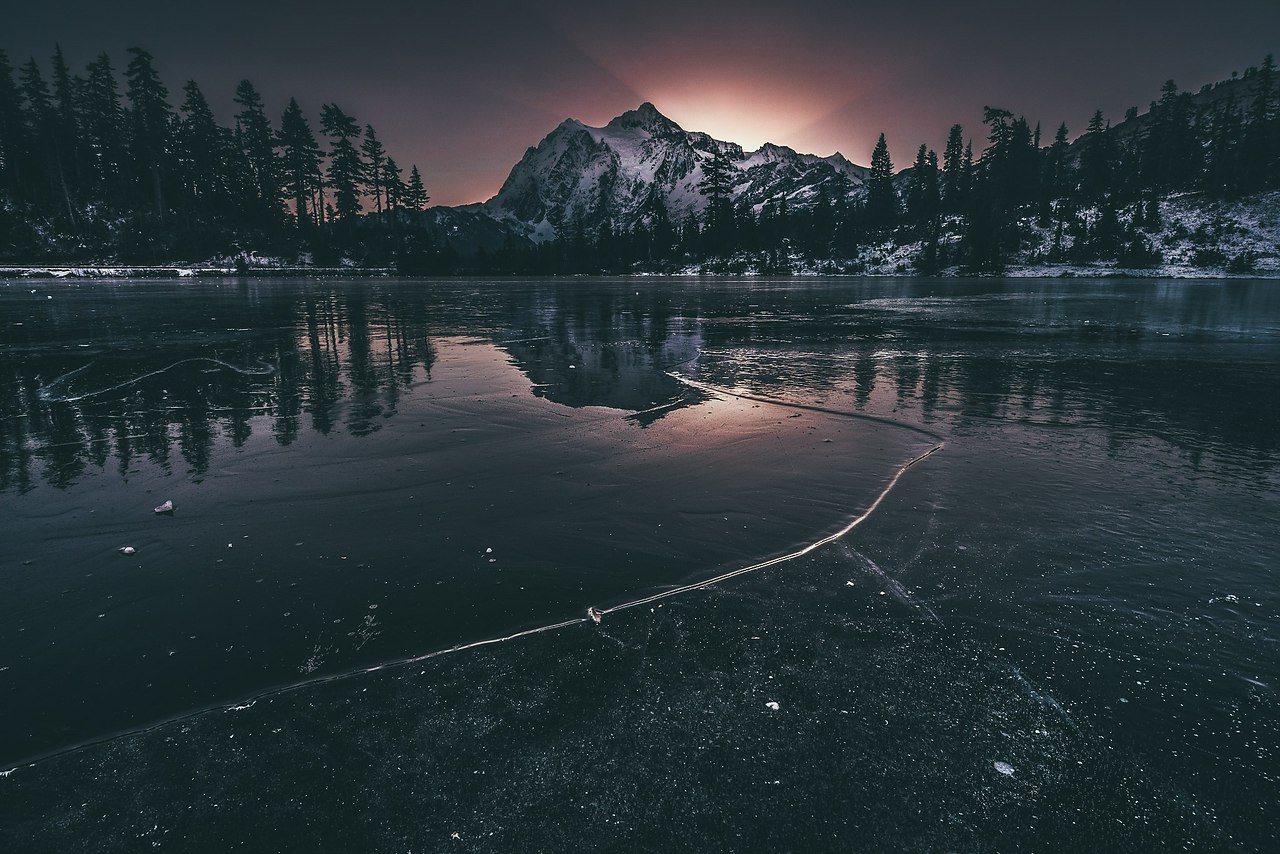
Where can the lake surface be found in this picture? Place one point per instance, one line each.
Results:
(1061, 630)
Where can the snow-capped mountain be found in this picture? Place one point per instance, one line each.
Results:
(640, 165)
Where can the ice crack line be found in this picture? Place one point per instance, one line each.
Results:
(861, 416)
(593, 615)
(45, 393)
(774, 561)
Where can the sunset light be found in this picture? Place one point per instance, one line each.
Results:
(447, 427)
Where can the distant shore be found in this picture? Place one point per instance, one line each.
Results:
(210, 271)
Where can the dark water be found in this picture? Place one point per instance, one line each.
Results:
(1058, 633)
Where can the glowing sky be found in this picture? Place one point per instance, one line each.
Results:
(463, 88)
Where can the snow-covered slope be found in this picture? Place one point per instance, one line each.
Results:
(642, 165)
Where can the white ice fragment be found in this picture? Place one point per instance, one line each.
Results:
(572, 367)
(127, 550)
(488, 551)
(850, 584)
(1004, 768)
(773, 704)
(166, 507)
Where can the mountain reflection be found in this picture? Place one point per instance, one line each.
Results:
(106, 375)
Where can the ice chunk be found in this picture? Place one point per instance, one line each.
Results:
(773, 704)
(166, 507)
(127, 550)
(1004, 768)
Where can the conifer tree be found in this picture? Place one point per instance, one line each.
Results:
(1260, 146)
(13, 136)
(41, 132)
(374, 158)
(103, 128)
(415, 194)
(151, 127)
(346, 170)
(200, 154)
(923, 197)
(67, 132)
(1096, 159)
(393, 185)
(954, 182)
(1170, 156)
(257, 143)
(717, 186)
(882, 197)
(1057, 168)
(299, 160)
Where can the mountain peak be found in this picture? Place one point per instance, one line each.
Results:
(644, 116)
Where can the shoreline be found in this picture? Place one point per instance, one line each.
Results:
(46, 272)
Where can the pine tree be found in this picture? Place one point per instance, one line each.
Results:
(1010, 165)
(1260, 146)
(257, 142)
(201, 158)
(415, 195)
(41, 130)
(882, 197)
(393, 185)
(103, 128)
(717, 186)
(1097, 159)
(1170, 156)
(151, 122)
(346, 170)
(13, 132)
(1224, 171)
(67, 130)
(299, 160)
(923, 200)
(374, 158)
(1057, 168)
(954, 177)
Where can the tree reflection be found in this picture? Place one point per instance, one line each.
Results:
(115, 374)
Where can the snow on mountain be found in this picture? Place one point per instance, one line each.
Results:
(642, 165)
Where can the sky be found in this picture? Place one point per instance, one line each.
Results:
(462, 89)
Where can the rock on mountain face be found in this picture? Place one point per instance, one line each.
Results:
(642, 165)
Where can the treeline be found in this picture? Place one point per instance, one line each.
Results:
(86, 171)
(1096, 198)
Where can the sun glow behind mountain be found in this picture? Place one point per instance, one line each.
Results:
(728, 110)
(749, 85)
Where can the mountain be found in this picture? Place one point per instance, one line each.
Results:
(638, 166)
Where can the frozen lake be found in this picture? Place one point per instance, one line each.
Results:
(1059, 630)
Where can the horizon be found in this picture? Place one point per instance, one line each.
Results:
(464, 97)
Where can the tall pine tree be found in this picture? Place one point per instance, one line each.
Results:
(299, 161)
(415, 194)
(151, 122)
(882, 198)
(346, 170)
(257, 142)
(374, 158)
